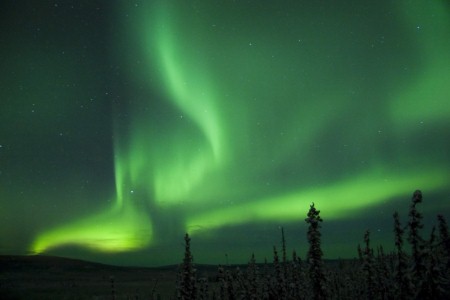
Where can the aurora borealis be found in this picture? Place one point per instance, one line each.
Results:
(125, 124)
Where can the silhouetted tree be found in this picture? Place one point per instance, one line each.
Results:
(297, 280)
(187, 289)
(240, 284)
(252, 290)
(314, 256)
(283, 245)
(368, 268)
(416, 241)
(444, 241)
(360, 255)
(284, 269)
(421, 275)
(223, 287)
(203, 289)
(403, 288)
(230, 286)
(279, 290)
(433, 285)
(383, 275)
(266, 281)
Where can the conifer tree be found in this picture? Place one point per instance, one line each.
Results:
(314, 256)
(240, 284)
(383, 274)
(296, 279)
(444, 241)
(203, 289)
(230, 286)
(284, 269)
(360, 255)
(187, 289)
(223, 287)
(266, 282)
(294, 256)
(403, 289)
(283, 245)
(368, 268)
(279, 290)
(416, 241)
(252, 291)
(433, 286)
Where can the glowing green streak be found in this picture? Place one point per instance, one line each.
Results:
(189, 87)
(340, 200)
(169, 166)
(110, 231)
(123, 227)
(166, 171)
(192, 93)
(198, 163)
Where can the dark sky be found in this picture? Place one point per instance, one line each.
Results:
(125, 124)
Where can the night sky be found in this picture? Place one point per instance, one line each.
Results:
(125, 124)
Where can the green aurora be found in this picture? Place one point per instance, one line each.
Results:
(232, 117)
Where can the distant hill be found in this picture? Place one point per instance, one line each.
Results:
(46, 262)
(50, 277)
(43, 262)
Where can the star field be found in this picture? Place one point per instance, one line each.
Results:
(124, 125)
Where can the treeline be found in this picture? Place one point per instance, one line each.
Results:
(422, 272)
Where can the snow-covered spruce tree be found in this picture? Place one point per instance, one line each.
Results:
(314, 257)
(230, 283)
(402, 281)
(187, 289)
(252, 283)
(384, 281)
(353, 281)
(240, 284)
(285, 260)
(283, 247)
(348, 283)
(335, 282)
(279, 287)
(444, 242)
(416, 241)
(203, 289)
(265, 281)
(435, 285)
(360, 254)
(222, 294)
(368, 268)
(443, 252)
(296, 289)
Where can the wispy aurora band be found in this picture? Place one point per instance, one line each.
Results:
(169, 171)
(148, 168)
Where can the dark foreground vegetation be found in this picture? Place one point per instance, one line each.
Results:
(418, 268)
(423, 274)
